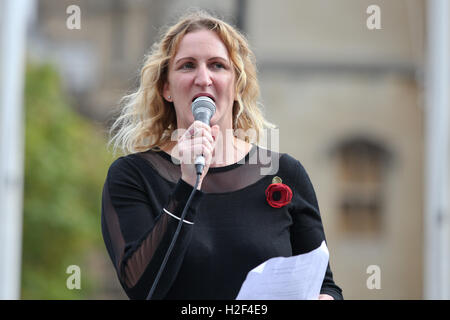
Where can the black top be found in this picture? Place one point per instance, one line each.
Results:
(229, 228)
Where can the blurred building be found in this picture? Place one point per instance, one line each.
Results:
(347, 99)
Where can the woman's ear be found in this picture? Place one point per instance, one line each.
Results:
(166, 92)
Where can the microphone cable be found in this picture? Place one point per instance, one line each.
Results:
(174, 239)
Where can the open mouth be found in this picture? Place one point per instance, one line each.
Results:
(204, 95)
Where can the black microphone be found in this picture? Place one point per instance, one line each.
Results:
(203, 108)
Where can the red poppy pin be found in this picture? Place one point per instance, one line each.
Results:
(278, 194)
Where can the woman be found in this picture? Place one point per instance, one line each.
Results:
(231, 225)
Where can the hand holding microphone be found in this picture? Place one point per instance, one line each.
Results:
(197, 144)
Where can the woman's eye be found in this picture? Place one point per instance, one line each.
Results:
(187, 65)
(218, 65)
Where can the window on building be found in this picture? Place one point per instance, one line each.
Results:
(361, 167)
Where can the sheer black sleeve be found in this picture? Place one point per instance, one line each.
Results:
(140, 214)
(307, 231)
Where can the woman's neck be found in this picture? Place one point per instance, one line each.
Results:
(228, 149)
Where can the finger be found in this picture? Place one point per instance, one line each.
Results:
(215, 131)
(197, 126)
(194, 125)
(189, 153)
(208, 157)
(185, 136)
(203, 140)
(200, 150)
(201, 133)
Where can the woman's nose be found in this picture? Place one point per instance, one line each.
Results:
(203, 76)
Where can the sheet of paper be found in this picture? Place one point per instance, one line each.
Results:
(287, 278)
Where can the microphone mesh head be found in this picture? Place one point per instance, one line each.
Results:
(203, 102)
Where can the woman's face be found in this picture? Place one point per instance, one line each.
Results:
(201, 66)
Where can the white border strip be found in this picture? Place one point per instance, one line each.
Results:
(174, 216)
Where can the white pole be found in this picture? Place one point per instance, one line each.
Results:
(436, 216)
(13, 39)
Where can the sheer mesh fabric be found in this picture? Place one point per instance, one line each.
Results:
(111, 227)
(138, 261)
(131, 252)
(258, 163)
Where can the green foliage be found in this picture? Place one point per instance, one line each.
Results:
(65, 166)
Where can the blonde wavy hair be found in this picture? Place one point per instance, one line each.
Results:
(147, 120)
